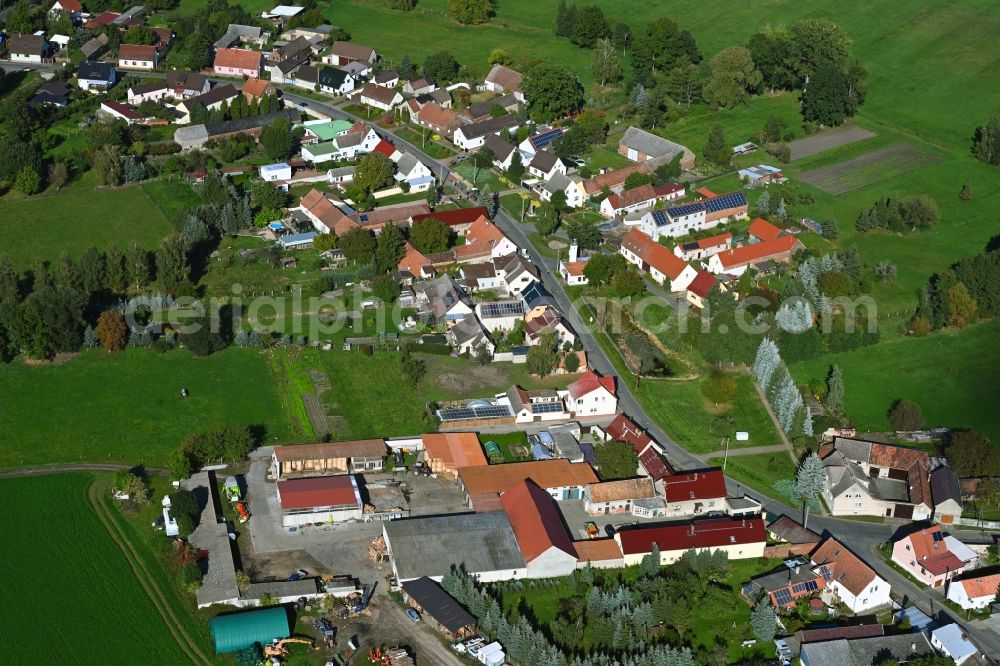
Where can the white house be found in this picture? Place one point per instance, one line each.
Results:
(545, 165)
(571, 186)
(503, 152)
(473, 135)
(273, 172)
(387, 78)
(71, 7)
(360, 139)
(411, 170)
(616, 497)
(690, 217)
(933, 557)
(704, 247)
(27, 48)
(137, 56)
(952, 641)
(592, 395)
(96, 76)
(975, 590)
(662, 265)
(739, 539)
(541, 535)
(852, 582)
(381, 98)
(503, 80)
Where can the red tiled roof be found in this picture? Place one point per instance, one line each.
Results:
(632, 197)
(655, 464)
(589, 382)
(437, 116)
(378, 93)
(101, 20)
(122, 109)
(933, 555)
(455, 449)
(71, 5)
(557, 472)
(136, 52)
(256, 87)
(716, 240)
(626, 430)
(702, 284)
(483, 231)
(456, 216)
(612, 178)
(747, 254)
(846, 568)
(413, 260)
(574, 268)
(654, 254)
(385, 148)
(597, 550)
(536, 520)
(318, 491)
(981, 586)
(238, 58)
(764, 230)
(700, 535)
(705, 192)
(667, 188)
(694, 486)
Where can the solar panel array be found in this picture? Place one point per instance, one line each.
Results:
(807, 586)
(731, 200)
(501, 309)
(783, 596)
(660, 218)
(686, 209)
(543, 139)
(546, 407)
(827, 574)
(465, 413)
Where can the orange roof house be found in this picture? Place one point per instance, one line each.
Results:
(763, 230)
(553, 475)
(538, 526)
(255, 88)
(737, 259)
(413, 260)
(449, 452)
(239, 62)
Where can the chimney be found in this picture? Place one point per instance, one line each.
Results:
(574, 252)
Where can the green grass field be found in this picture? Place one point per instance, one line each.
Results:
(127, 407)
(759, 472)
(952, 376)
(48, 224)
(72, 597)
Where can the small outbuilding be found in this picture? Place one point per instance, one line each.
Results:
(273, 172)
(449, 615)
(320, 499)
(235, 631)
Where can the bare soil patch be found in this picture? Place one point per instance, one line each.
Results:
(834, 138)
(869, 168)
(478, 378)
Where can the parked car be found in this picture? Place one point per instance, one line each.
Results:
(609, 530)
(413, 614)
(461, 158)
(580, 163)
(299, 575)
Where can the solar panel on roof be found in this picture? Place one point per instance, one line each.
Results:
(686, 209)
(660, 218)
(783, 596)
(546, 408)
(463, 413)
(807, 586)
(731, 200)
(939, 536)
(506, 309)
(542, 140)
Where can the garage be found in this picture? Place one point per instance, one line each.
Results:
(319, 500)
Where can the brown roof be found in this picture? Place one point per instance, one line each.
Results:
(787, 529)
(654, 254)
(456, 449)
(325, 210)
(352, 51)
(553, 473)
(26, 44)
(136, 52)
(611, 178)
(537, 523)
(746, 254)
(597, 550)
(437, 116)
(505, 77)
(238, 59)
(624, 489)
(634, 196)
(914, 461)
(400, 213)
(257, 87)
(361, 448)
(845, 567)
(378, 93)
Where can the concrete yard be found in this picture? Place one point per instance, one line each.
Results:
(575, 517)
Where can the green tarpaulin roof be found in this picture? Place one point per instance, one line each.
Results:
(235, 631)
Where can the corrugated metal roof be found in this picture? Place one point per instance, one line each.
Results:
(235, 631)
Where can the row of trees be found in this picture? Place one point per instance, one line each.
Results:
(968, 290)
(916, 212)
(231, 444)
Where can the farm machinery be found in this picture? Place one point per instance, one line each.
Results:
(328, 630)
(231, 489)
(279, 647)
(243, 511)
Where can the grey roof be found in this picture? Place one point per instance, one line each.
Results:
(95, 71)
(234, 32)
(178, 78)
(783, 577)
(291, 62)
(650, 144)
(484, 108)
(467, 330)
(406, 163)
(94, 45)
(294, 47)
(341, 171)
(789, 530)
(866, 651)
(557, 183)
(945, 486)
(307, 73)
(854, 449)
(200, 133)
(385, 76)
(544, 161)
(430, 546)
(141, 88)
(439, 604)
(488, 126)
(219, 583)
(501, 149)
(214, 96)
(129, 14)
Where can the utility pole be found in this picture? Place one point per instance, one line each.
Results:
(725, 458)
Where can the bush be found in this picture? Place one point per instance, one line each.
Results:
(906, 415)
(720, 388)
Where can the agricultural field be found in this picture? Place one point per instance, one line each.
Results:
(951, 375)
(367, 397)
(76, 593)
(878, 165)
(70, 221)
(127, 407)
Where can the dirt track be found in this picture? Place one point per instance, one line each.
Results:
(81, 467)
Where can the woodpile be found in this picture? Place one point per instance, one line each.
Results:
(377, 550)
(399, 657)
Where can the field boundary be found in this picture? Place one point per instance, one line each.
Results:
(872, 167)
(149, 586)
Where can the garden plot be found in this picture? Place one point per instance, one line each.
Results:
(834, 138)
(872, 167)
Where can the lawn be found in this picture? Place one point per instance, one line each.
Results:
(69, 588)
(368, 397)
(127, 407)
(505, 441)
(485, 178)
(435, 149)
(253, 274)
(759, 472)
(48, 224)
(951, 375)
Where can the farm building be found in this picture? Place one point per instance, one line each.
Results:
(559, 477)
(447, 614)
(234, 631)
(483, 544)
(639, 145)
(319, 499)
(365, 455)
(538, 527)
(610, 497)
(446, 453)
(739, 539)
(762, 174)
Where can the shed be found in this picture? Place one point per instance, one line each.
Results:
(239, 630)
(297, 241)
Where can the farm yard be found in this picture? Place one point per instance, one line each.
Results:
(77, 598)
(127, 407)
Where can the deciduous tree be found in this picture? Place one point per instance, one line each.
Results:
(552, 91)
(616, 460)
(716, 149)
(734, 78)
(605, 64)
(111, 330)
(471, 12)
(962, 307)
(172, 268)
(277, 140)
(906, 415)
(389, 248)
(986, 142)
(441, 67)
(430, 235)
(373, 172)
(971, 453)
(358, 245)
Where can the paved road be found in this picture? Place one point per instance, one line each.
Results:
(12, 66)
